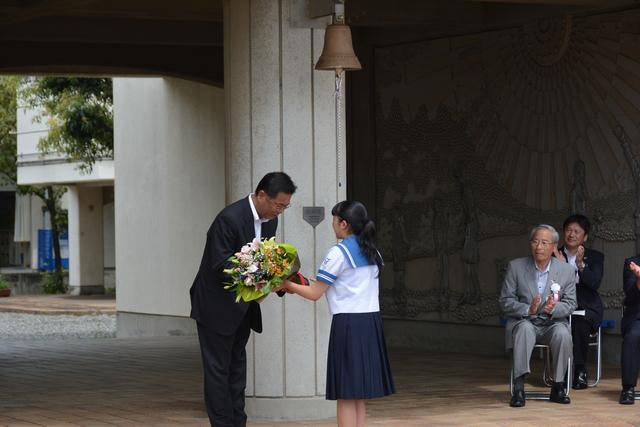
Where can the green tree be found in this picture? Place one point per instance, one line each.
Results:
(9, 92)
(79, 113)
(8, 96)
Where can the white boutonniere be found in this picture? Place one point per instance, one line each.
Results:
(555, 288)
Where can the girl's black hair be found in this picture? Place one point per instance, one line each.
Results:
(365, 230)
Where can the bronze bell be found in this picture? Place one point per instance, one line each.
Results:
(337, 53)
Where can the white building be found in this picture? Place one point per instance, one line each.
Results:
(89, 201)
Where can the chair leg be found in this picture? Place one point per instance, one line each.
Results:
(511, 380)
(567, 383)
(547, 378)
(598, 345)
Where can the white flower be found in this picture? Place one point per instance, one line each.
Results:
(555, 287)
(255, 244)
(252, 268)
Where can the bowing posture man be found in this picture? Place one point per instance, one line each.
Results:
(538, 296)
(223, 324)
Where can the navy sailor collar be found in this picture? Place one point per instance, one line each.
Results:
(352, 252)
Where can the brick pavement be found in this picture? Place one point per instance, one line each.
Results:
(157, 381)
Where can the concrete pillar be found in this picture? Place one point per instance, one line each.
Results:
(169, 186)
(86, 241)
(281, 115)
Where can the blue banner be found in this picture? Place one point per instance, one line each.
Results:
(46, 258)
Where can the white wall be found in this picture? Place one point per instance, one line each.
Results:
(28, 131)
(169, 150)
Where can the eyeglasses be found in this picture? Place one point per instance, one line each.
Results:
(543, 243)
(279, 206)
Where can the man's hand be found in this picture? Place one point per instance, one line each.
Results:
(535, 304)
(580, 257)
(635, 269)
(559, 255)
(549, 304)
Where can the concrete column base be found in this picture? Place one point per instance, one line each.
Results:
(153, 325)
(86, 290)
(287, 408)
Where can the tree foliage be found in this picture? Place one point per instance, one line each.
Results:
(79, 114)
(8, 91)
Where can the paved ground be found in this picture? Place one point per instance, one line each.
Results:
(99, 382)
(158, 382)
(59, 304)
(24, 326)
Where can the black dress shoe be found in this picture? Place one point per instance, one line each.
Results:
(558, 394)
(628, 396)
(518, 399)
(580, 380)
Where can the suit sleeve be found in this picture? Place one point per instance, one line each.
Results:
(591, 275)
(222, 239)
(629, 281)
(568, 299)
(509, 301)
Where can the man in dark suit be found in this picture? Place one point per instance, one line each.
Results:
(630, 326)
(224, 325)
(589, 265)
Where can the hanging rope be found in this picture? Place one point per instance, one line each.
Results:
(338, 99)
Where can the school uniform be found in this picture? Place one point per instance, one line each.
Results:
(357, 362)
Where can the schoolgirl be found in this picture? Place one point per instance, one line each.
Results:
(357, 366)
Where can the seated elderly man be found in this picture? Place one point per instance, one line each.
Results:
(538, 296)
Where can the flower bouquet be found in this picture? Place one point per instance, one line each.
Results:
(261, 266)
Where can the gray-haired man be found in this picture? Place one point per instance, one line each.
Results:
(538, 296)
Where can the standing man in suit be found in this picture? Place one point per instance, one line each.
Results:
(630, 327)
(589, 267)
(534, 315)
(224, 325)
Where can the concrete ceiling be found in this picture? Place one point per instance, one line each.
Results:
(185, 38)
(117, 37)
(460, 16)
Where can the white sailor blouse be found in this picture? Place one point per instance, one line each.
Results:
(352, 277)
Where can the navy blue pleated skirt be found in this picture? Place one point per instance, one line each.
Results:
(357, 365)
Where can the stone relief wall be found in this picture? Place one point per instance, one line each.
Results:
(480, 137)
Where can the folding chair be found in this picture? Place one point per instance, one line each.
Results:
(547, 378)
(595, 341)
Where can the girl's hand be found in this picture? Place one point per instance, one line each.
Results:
(288, 285)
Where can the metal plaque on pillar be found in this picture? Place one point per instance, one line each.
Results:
(313, 214)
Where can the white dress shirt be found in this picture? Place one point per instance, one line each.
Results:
(257, 221)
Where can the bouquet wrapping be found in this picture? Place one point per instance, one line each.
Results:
(261, 266)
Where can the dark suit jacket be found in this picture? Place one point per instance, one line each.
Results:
(211, 305)
(632, 295)
(587, 288)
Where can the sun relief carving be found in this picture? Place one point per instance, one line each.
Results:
(546, 40)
